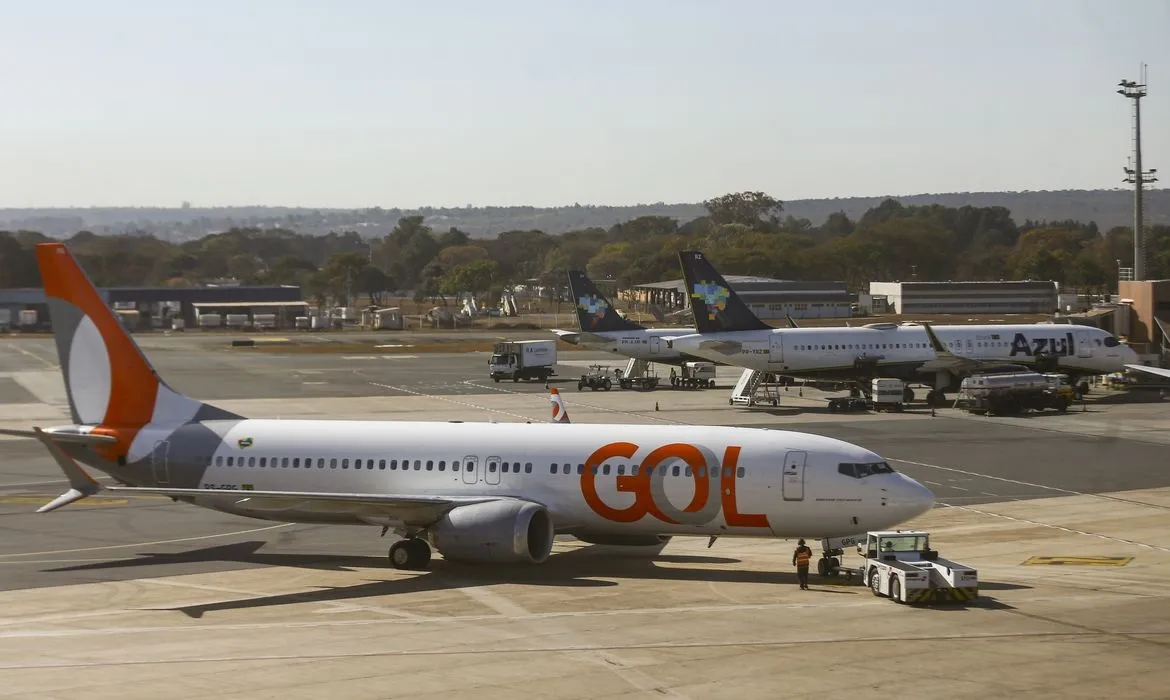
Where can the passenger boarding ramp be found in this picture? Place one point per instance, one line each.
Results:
(756, 387)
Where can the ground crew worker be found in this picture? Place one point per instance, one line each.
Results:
(800, 559)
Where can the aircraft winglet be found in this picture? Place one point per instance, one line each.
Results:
(81, 484)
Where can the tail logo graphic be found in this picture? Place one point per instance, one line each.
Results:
(714, 296)
(594, 307)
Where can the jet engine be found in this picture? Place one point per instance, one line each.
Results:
(626, 540)
(496, 532)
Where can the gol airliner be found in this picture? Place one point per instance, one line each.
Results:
(477, 492)
(729, 332)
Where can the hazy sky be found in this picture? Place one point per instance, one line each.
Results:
(380, 102)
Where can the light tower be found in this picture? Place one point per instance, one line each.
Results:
(1136, 91)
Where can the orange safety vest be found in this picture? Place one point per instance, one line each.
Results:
(803, 557)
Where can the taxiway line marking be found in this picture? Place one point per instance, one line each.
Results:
(146, 544)
(33, 355)
(1069, 492)
(1062, 528)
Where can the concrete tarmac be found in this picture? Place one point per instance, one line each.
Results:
(147, 597)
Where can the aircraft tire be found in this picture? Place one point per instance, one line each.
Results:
(411, 554)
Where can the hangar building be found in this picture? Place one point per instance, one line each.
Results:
(767, 298)
(1014, 297)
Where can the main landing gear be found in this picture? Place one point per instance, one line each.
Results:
(413, 554)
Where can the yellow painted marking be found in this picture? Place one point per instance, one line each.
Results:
(1078, 561)
(34, 500)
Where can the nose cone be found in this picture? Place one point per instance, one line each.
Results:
(907, 499)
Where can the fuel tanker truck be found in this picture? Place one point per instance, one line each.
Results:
(1013, 393)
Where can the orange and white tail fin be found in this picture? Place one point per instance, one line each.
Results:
(559, 414)
(109, 382)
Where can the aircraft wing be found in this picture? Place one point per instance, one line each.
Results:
(945, 360)
(576, 337)
(413, 510)
(1151, 370)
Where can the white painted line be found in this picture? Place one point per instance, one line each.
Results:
(1059, 527)
(145, 544)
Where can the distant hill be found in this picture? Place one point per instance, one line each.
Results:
(1108, 208)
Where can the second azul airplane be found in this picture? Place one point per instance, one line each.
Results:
(728, 332)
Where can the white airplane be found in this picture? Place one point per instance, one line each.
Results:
(478, 492)
(603, 328)
(729, 332)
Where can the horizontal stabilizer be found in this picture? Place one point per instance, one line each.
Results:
(62, 435)
(81, 484)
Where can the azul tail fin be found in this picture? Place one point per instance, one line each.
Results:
(716, 306)
(109, 382)
(594, 312)
(559, 413)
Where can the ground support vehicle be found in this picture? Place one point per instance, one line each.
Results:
(597, 378)
(900, 564)
(523, 359)
(887, 394)
(645, 380)
(693, 375)
(845, 404)
(1013, 393)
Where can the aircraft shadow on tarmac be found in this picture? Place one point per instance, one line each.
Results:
(585, 567)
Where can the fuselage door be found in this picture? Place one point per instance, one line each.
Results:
(655, 345)
(794, 475)
(158, 462)
(776, 349)
(1084, 344)
(470, 470)
(492, 470)
(970, 344)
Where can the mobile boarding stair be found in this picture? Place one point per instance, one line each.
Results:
(756, 387)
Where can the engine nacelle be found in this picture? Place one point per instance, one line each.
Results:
(496, 532)
(626, 540)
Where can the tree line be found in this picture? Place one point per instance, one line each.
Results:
(747, 233)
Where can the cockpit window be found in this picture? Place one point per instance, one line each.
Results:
(1111, 342)
(862, 470)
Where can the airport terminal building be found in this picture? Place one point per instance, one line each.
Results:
(158, 307)
(768, 298)
(1013, 297)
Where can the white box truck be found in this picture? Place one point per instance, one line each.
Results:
(887, 394)
(523, 359)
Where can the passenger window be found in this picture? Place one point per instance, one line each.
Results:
(296, 462)
(430, 465)
(688, 470)
(567, 468)
(393, 464)
(492, 467)
(230, 460)
(621, 469)
(251, 461)
(417, 464)
(528, 467)
(504, 467)
(739, 472)
(674, 471)
(263, 461)
(581, 469)
(442, 465)
(219, 461)
(605, 470)
(594, 469)
(345, 464)
(552, 469)
(332, 462)
(284, 462)
(634, 469)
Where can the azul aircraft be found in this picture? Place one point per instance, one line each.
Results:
(603, 328)
(478, 492)
(729, 332)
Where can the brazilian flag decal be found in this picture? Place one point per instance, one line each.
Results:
(244, 442)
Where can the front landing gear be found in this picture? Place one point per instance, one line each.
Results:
(413, 554)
